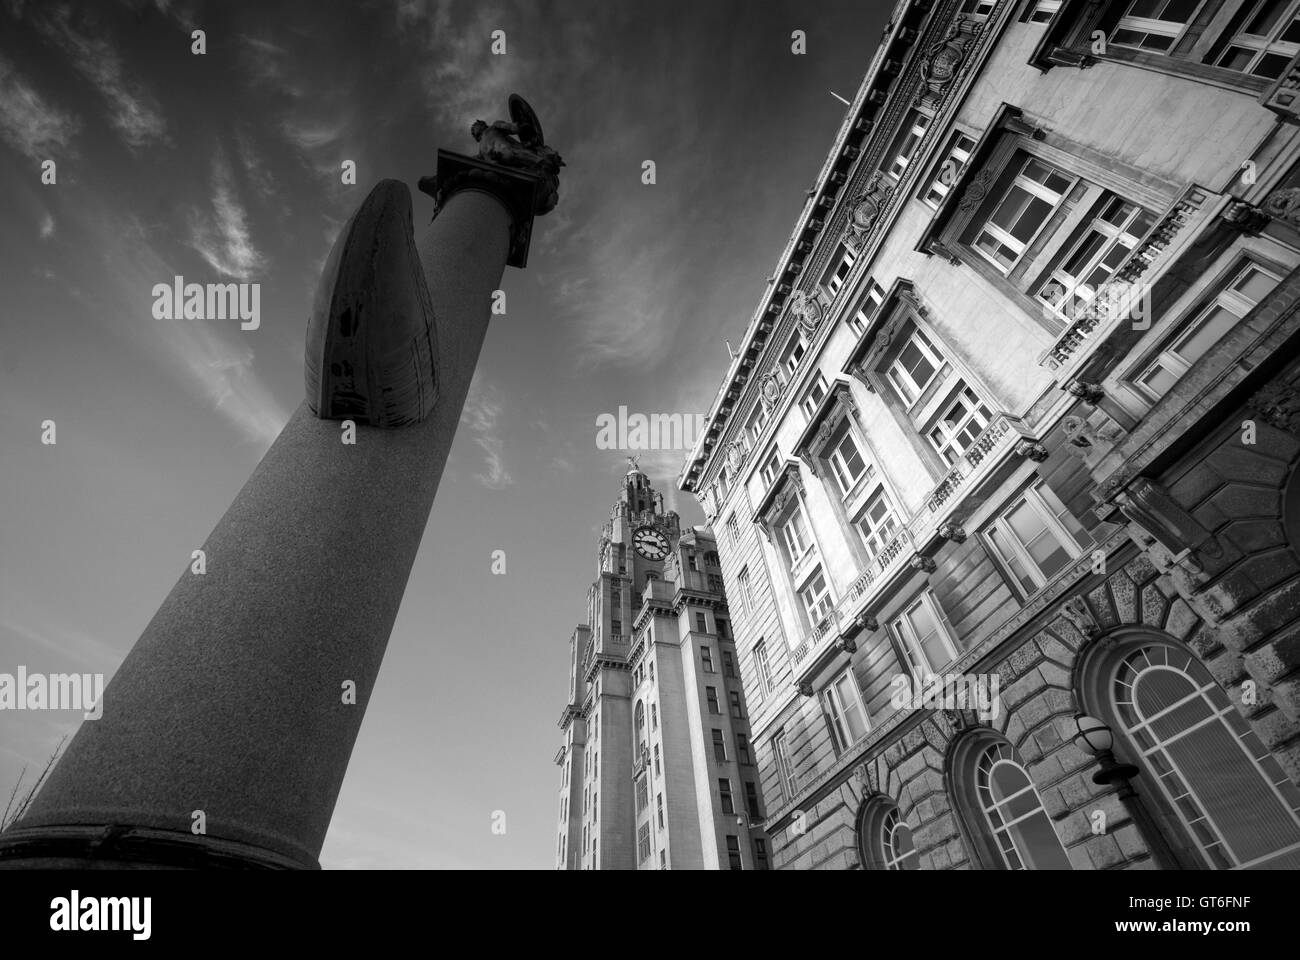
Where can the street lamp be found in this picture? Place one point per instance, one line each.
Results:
(1094, 737)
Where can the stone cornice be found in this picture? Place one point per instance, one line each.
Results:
(844, 164)
(566, 715)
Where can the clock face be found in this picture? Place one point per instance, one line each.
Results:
(650, 543)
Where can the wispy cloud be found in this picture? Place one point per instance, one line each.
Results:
(133, 110)
(30, 123)
(255, 167)
(212, 361)
(266, 65)
(312, 134)
(619, 304)
(223, 238)
(483, 408)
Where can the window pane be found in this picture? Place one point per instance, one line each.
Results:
(845, 688)
(916, 363)
(1011, 207)
(1271, 66)
(1211, 772)
(1035, 214)
(1266, 18)
(1254, 285)
(1012, 560)
(1215, 324)
(1039, 540)
(904, 388)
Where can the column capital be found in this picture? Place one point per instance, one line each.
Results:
(520, 191)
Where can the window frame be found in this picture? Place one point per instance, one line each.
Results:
(792, 354)
(913, 646)
(1261, 46)
(1034, 188)
(920, 340)
(809, 403)
(983, 773)
(1174, 30)
(763, 667)
(837, 273)
(1192, 319)
(861, 317)
(961, 392)
(906, 144)
(785, 772)
(840, 465)
(726, 801)
(1042, 500)
(937, 184)
(1114, 236)
(880, 494)
(815, 601)
(837, 712)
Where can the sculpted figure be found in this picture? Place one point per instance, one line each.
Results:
(518, 142)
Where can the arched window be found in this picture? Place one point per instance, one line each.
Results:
(1001, 808)
(884, 838)
(1014, 813)
(1230, 794)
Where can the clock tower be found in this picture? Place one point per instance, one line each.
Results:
(654, 698)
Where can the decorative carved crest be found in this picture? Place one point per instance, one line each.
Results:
(867, 206)
(942, 63)
(823, 434)
(769, 389)
(864, 778)
(976, 190)
(736, 454)
(806, 310)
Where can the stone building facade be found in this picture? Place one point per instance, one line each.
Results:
(657, 770)
(1017, 422)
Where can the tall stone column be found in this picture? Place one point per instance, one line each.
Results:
(233, 709)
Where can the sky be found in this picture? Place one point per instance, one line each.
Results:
(226, 166)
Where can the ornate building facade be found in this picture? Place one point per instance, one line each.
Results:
(1009, 451)
(657, 769)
